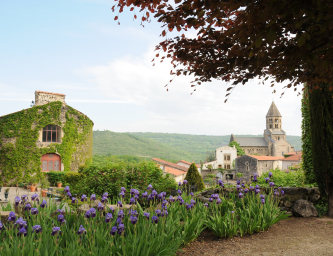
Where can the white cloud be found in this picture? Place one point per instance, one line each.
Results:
(134, 80)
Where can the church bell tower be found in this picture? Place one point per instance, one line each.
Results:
(273, 118)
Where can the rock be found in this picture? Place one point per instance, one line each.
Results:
(284, 209)
(288, 204)
(95, 203)
(314, 198)
(4, 216)
(316, 191)
(204, 199)
(296, 191)
(83, 208)
(304, 208)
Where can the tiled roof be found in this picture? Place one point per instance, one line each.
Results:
(273, 111)
(267, 158)
(185, 162)
(174, 171)
(251, 141)
(294, 152)
(176, 166)
(295, 157)
(51, 93)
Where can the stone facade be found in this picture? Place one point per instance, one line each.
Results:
(42, 98)
(273, 143)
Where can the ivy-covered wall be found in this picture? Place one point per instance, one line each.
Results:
(21, 150)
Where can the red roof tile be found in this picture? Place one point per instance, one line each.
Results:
(174, 171)
(295, 157)
(176, 166)
(267, 158)
(185, 162)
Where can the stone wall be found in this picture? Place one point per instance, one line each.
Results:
(246, 165)
(42, 98)
(296, 201)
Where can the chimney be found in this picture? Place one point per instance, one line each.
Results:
(42, 98)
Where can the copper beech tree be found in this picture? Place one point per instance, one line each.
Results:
(238, 40)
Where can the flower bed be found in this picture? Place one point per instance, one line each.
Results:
(43, 229)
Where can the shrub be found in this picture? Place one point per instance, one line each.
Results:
(72, 178)
(55, 176)
(194, 178)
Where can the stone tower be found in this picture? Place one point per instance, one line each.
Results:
(273, 118)
(42, 98)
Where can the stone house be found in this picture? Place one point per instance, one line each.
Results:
(188, 164)
(273, 142)
(249, 164)
(51, 136)
(291, 160)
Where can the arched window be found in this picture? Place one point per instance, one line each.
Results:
(51, 133)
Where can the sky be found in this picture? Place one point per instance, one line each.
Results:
(76, 48)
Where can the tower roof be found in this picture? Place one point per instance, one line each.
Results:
(273, 111)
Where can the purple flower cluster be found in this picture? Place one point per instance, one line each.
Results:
(255, 177)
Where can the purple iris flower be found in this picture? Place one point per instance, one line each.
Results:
(61, 218)
(17, 200)
(243, 186)
(121, 214)
(185, 182)
(132, 201)
(108, 217)
(193, 201)
(34, 211)
(122, 194)
(191, 194)
(11, 216)
(34, 197)
(144, 195)
(246, 191)
(87, 214)
(150, 187)
(146, 214)
(83, 198)
(221, 183)
(282, 192)
(111, 209)
(188, 206)
(100, 207)
(23, 197)
(104, 199)
(240, 195)
(179, 198)
(160, 196)
(66, 189)
(232, 211)
(263, 201)
(43, 204)
(154, 219)
(238, 182)
(158, 213)
(121, 228)
(106, 194)
(238, 187)
(120, 204)
(27, 207)
(255, 179)
(154, 193)
(257, 191)
(171, 199)
(1, 225)
(251, 188)
(133, 212)
(257, 187)
(271, 184)
(74, 200)
(276, 192)
(93, 212)
(37, 229)
(20, 223)
(60, 211)
(211, 200)
(133, 219)
(119, 220)
(205, 205)
(181, 202)
(56, 230)
(267, 179)
(179, 183)
(22, 231)
(113, 230)
(215, 196)
(270, 174)
(262, 196)
(69, 194)
(93, 197)
(81, 230)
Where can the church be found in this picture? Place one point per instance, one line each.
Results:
(273, 143)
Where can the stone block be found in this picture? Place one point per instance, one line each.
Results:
(314, 198)
(304, 208)
(288, 204)
(4, 216)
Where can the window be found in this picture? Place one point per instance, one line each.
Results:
(282, 153)
(276, 120)
(226, 157)
(271, 120)
(279, 138)
(228, 167)
(220, 165)
(270, 126)
(51, 133)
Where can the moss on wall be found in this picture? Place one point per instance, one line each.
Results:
(20, 151)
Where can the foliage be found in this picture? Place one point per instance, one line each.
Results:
(23, 127)
(110, 177)
(240, 151)
(197, 145)
(322, 207)
(321, 123)
(72, 178)
(55, 176)
(112, 143)
(239, 175)
(99, 159)
(306, 140)
(194, 178)
(283, 179)
(210, 156)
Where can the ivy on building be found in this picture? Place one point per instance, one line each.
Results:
(21, 157)
(240, 151)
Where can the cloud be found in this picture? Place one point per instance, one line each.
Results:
(132, 79)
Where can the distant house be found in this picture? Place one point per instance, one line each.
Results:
(187, 164)
(224, 158)
(175, 170)
(249, 164)
(291, 160)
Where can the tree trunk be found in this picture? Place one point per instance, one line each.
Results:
(321, 126)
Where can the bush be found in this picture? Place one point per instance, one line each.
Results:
(72, 178)
(55, 176)
(194, 178)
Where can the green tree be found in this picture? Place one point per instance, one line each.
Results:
(210, 156)
(193, 177)
(240, 151)
(306, 139)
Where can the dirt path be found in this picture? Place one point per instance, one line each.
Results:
(295, 236)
